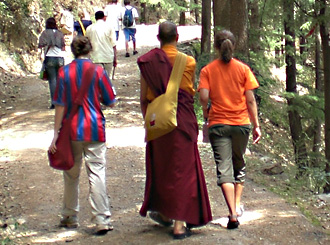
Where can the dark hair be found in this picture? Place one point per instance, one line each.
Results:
(99, 15)
(51, 23)
(127, 2)
(81, 45)
(167, 32)
(224, 42)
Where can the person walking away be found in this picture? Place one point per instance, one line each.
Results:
(52, 41)
(102, 37)
(67, 28)
(175, 184)
(112, 12)
(228, 84)
(81, 24)
(128, 17)
(87, 135)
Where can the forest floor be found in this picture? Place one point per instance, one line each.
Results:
(31, 192)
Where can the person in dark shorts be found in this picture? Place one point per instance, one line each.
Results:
(129, 26)
(228, 84)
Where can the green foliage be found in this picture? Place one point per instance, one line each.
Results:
(172, 7)
(308, 106)
(202, 61)
(47, 8)
(6, 241)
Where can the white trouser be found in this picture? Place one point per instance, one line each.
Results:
(94, 155)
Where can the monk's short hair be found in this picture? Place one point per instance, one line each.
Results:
(167, 32)
(81, 45)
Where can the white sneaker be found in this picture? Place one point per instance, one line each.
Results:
(240, 210)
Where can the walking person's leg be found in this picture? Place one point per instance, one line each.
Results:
(98, 198)
(127, 37)
(221, 143)
(240, 139)
(107, 67)
(71, 189)
(51, 69)
(133, 32)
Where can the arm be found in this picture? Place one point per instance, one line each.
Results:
(253, 113)
(204, 100)
(59, 113)
(143, 96)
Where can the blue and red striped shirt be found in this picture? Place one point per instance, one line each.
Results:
(88, 124)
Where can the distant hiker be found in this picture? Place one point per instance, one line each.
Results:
(87, 135)
(52, 41)
(81, 24)
(175, 184)
(67, 28)
(129, 16)
(102, 37)
(112, 12)
(228, 84)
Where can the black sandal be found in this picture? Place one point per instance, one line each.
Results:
(232, 224)
(155, 216)
(187, 233)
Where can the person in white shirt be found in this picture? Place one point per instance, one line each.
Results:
(102, 37)
(112, 12)
(129, 25)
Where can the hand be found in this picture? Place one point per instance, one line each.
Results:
(52, 148)
(256, 135)
(205, 113)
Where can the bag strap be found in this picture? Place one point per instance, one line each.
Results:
(177, 72)
(87, 78)
(82, 27)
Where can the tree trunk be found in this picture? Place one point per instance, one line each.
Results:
(206, 27)
(319, 89)
(239, 20)
(326, 66)
(294, 117)
(197, 11)
(254, 30)
(143, 18)
(232, 15)
(182, 20)
(221, 15)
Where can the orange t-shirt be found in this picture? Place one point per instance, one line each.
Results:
(227, 84)
(187, 82)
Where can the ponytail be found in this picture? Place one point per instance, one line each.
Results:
(224, 42)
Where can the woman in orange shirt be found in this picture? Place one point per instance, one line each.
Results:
(228, 84)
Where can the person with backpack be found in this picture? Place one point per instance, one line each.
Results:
(129, 16)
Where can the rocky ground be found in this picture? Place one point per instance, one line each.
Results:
(31, 192)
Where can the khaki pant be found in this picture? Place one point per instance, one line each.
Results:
(229, 145)
(107, 67)
(94, 156)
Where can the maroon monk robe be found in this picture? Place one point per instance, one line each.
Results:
(175, 183)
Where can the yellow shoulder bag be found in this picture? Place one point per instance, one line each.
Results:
(160, 117)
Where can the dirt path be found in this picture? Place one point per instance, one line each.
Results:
(31, 192)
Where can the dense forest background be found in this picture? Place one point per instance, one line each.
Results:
(285, 42)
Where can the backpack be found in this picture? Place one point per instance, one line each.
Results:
(128, 18)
